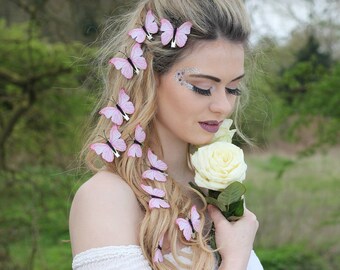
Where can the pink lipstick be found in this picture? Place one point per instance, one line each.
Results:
(210, 126)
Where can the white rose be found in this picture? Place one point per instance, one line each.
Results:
(224, 133)
(218, 164)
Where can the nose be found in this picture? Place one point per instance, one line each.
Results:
(222, 103)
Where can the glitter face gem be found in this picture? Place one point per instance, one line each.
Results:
(181, 74)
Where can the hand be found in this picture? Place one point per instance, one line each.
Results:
(235, 239)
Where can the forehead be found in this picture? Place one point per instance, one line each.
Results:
(220, 58)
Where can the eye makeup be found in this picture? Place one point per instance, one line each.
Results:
(204, 92)
(179, 77)
(207, 92)
(193, 72)
(233, 91)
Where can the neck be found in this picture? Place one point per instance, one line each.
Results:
(174, 154)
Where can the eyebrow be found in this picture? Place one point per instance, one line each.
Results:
(213, 78)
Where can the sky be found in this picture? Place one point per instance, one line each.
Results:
(274, 18)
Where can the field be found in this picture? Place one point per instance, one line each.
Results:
(297, 203)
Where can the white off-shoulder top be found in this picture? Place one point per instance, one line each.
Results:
(130, 257)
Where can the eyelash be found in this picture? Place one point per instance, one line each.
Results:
(206, 92)
(235, 91)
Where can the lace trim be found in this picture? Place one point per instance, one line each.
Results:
(131, 254)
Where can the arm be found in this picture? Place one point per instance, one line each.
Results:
(104, 212)
(235, 239)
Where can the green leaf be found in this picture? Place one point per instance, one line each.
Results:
(213, 193)
(239, 208)
(215, 202)
(235, 211)
(232, 193)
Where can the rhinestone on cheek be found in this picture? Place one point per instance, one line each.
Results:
(179, 77)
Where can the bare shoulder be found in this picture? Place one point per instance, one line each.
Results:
(104, 212)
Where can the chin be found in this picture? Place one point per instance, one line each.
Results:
(201, 141)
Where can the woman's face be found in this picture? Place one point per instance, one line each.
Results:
(200, 91)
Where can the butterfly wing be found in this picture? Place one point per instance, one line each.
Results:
(158, 203)
(123, 65)
(140, 134)
(113, 113)
(115, 139)
(158, 256)
(182, 32)
(148, 174)
(138, 34)
(124, 103)
(168, 31)
(185, 227)
(158, 192)
(147, 189)
(137, 57)
(104, 150)
(150, 24)
(153, 191)
(195, 218)
(155, 202)
(155, 162)
(154, 175)
(158, 176)
(135, 150)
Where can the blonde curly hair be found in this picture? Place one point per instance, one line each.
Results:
(210, 20)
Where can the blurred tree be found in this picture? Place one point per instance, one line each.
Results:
(317, 18)
(290, 88)
(64, 20)
(309, 66)
(300, 84)
(30, 70)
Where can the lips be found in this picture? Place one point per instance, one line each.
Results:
(211, 126)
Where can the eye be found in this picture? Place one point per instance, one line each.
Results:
(233, 91)
(205, 92)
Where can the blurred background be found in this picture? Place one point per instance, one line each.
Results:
(48, 90)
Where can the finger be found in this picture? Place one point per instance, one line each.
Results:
(247, 213)
(251, 217)
(215, 214)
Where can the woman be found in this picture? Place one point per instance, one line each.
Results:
(181, 64)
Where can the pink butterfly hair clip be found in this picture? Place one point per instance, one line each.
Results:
(123, 107)
(110, 148)
(135, 150)
(157, 197)
(157, 168)
(158, 255)
(150, 27)
(131, 64)
(191, 225)
(177, 36)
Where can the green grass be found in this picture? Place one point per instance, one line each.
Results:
(299, 208)
(292, 257)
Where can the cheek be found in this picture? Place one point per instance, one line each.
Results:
(232, 102)
(176, 101)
